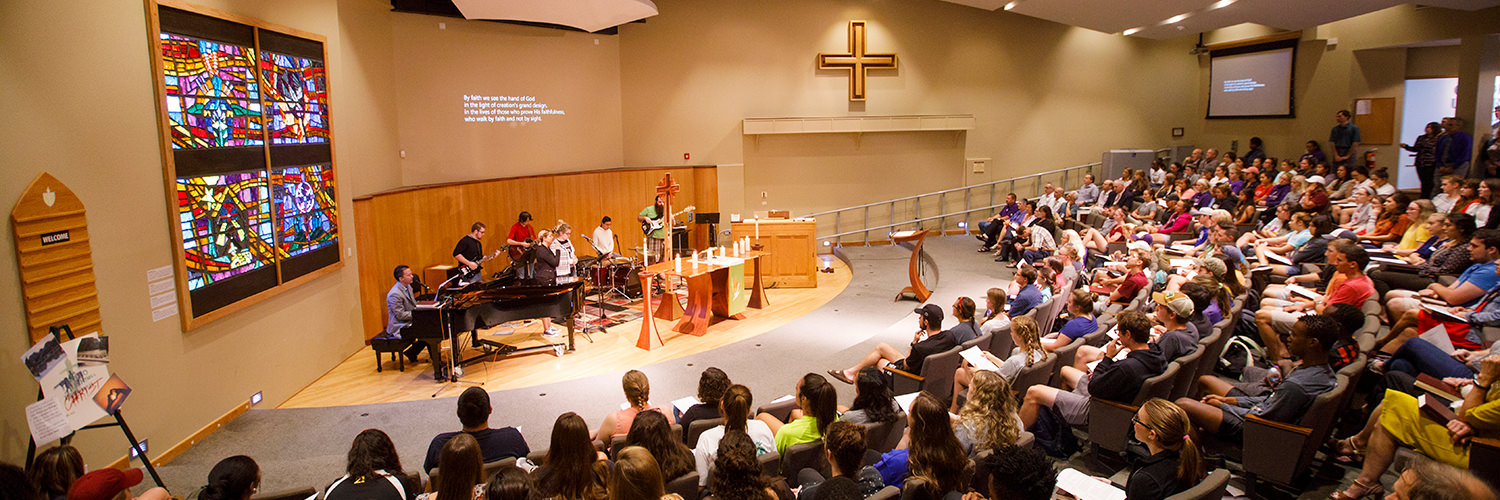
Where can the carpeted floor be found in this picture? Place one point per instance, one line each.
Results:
(307, 447)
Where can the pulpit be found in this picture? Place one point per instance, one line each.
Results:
(916, 288)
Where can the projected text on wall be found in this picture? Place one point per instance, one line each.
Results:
(507, 109)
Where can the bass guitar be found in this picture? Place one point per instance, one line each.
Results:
(649, 226)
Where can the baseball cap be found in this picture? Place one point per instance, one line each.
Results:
(1316, 179)
(1213, 265)
(1253, 170)
(103, 484)
(1138, 244)
(1177, 302)
(1200, 211)
(932, 312)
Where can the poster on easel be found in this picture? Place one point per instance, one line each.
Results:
(77, 388)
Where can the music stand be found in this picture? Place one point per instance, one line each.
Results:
(454, 349)
(712, 219)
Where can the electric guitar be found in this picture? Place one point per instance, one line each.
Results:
(649, 226)
(469, 273)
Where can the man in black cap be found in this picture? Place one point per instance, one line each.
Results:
(930, 339)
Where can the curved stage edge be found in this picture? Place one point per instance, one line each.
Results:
(355, 381)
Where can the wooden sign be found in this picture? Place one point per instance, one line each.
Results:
(52, 252)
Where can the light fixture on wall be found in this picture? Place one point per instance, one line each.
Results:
(1011, 5)
(1132, 31)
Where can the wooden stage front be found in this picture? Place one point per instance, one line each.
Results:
(354, 381)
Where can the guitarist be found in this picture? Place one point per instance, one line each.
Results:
(470, 252)
(522, 236)
(654, 239)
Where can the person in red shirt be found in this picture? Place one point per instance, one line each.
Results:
(1348, 285)
(521, 237)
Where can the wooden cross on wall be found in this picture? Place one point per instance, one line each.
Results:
(666, 190)
(857, 61)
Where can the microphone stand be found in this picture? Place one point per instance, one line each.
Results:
(454, 347)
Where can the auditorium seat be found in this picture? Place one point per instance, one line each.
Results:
(303, 493)
(884, 436)
(1186, 382)
(803, 456)
(1001, 345)
(685, 486)
(1212, 487)
(1065, 357)
(696, 428)
(1110, 422)
(936, 376)
(1036, 374)
(1288, 463)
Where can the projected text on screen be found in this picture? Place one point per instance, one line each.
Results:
(507, 108)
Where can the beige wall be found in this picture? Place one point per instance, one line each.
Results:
(1368, 61)
(76, 100)
(578, 73)
(1432, 62)
(1045, 96)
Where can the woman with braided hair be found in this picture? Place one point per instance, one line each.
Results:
(735, 406)
(637, 394)
(1026, 336)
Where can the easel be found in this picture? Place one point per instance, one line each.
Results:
(55, 332)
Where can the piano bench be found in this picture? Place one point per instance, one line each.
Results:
(390, 345)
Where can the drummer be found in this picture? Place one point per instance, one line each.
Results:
(604, 240)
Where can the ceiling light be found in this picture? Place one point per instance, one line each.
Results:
(1220, 4)
(1176, 19)
(1132, 31)
(1011, 5)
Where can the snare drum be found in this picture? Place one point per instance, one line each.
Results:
(599, 276)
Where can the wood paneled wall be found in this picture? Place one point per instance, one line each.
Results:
(418, 226)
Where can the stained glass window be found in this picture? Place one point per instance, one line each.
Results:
(296, 97)
(307, 218)
(213, 96)
(225, 222)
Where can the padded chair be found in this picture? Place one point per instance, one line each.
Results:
(803, 456)
(1484, 459)
(1288, 461)
(686, 486)
(770, 463)
(781, 410)
(1214, 346)
(1186, 380)
(394, 346)
(1065, 357)
(1212, 487)
(982, 342)
(537, 456)
(884, 436)
(936, 376)
(1100, 336)
(1110, 422)
(490, 468)
(886, 493)
(1036, 374)
(697, 427)
(1001, 344)
(618, 443)
(303, 493)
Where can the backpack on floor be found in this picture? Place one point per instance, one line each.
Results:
(1053, 435)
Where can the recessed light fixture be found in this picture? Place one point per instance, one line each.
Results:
(1221, 4)
(1176, 19)
(1132, 31)
(1011, 5)
(255, 398)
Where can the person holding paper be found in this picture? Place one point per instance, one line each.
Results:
(1111, 380)
(1406, 305)
(1347, 285)
(1081, 308)
(1457, 322)
(1128, 284)
(1025, 334)
(1010, 231)
(1223, 408)
(1448, 255)
(1174, 464)
(1401, 421)
(995, 317)
(711, 386)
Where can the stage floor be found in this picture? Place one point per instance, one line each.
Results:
(355, 381)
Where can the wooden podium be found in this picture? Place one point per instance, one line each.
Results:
(917, 288)
(715, 290)
(791, 248)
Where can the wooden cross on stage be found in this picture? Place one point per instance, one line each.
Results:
(666, 190)
(857, 61)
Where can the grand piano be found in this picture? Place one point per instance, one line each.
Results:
(453, 311)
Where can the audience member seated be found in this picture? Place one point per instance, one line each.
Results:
(1392, 222)
(930, 451)
(1361, 218)
(989, 418)
(574, 469)
(1211, 301)
(1380, 182)
(1034, 242)
(636, 476)
(1129, 282)
(54, 470)
(873, 401)
(1015, 473)
(929, 339)
(373, 472)
(990, 228)
(1413, 319)
(1400, 421)
(845, 448)
(474, 413)
(1347, 285)
(965, 329)
(651, 431)
(115, 484)
(995, 317)
(1116, 228)
(1488, 192)
(462, 476)
(1111, 380)
(1081, 309)
(1029, 351)
(1178, 336)
(735, 406)
(1299, 232)
(1174, 463)
(1177, 221)
(1449, 197)
(1223, 409)
(233, 478)
(711, 386)
(817, 406)
(1050, 197)
(637, 394)
(1014, 231)
(1418, 356)
(1088, 193)
(510, 483)
(737, 474)
(1028, 295)
(1449, 255)
(1148, 209)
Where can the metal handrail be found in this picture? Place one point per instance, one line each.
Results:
(965, 188)
(923, 219)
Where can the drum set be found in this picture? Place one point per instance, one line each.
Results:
(613, 274)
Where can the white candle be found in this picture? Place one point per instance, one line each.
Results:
(677, 265)
(757, 229)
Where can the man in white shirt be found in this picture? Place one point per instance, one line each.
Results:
(1158, 174)
(604, 238)
(1088, 194)
(1446, 200)
(1050, 198)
